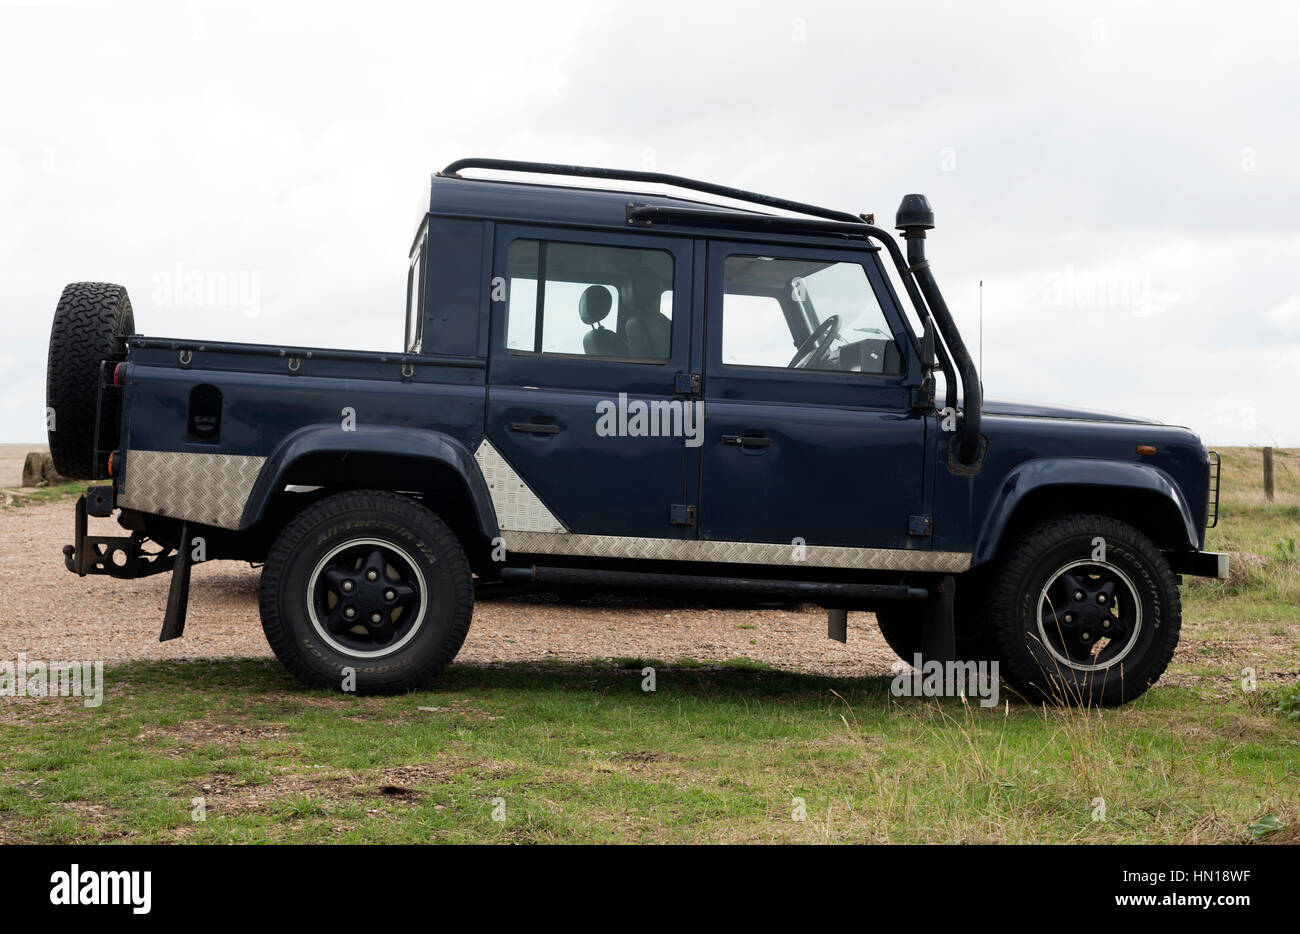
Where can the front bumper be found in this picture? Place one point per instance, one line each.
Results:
(1200, 563)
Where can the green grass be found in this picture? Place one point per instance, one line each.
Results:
(720, 751)
(35, 495)
(1260, 604)
(579, 753)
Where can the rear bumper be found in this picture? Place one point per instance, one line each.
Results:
(1200, 563)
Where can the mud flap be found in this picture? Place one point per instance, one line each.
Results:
(938, 635)
(178, 597)
(837, 625)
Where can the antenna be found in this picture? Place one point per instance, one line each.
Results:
(981, 333)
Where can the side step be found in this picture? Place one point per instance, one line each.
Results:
(813, 590)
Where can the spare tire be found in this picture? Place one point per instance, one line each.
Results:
(91, 324)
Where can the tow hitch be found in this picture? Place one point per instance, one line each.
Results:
(124, 556)
(115, 555)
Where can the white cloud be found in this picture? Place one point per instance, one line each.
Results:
(286, 141)
(1286, 316)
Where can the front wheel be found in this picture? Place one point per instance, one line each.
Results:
(1084, 610)
(367, 591)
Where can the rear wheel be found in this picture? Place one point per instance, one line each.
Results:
(91, 324)
(368, 585)
(1085, 610)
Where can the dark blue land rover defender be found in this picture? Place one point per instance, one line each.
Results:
(608, 389)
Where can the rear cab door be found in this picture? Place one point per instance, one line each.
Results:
(588, 330)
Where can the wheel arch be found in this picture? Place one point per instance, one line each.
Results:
(1140, 495)
(436, 466)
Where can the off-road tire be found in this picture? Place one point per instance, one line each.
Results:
(91, 324)
(309, 538)
(1027, 566)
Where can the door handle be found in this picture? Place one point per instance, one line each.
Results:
(534, 428)
(747, 441)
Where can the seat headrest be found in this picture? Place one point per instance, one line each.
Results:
(594, 304)
(645, 289)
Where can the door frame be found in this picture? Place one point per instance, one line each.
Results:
(513, 376)
(828, 389)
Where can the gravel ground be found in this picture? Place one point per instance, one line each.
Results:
(52, 614)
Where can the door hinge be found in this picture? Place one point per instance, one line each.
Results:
(922, 397)
(920, 525)
(679, 514)
(687, 383)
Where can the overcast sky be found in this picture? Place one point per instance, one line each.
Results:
(1124, 178)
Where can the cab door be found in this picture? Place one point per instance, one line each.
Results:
(589, 330)
(810, 438)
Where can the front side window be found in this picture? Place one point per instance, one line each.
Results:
(805, 314)
(586, 300)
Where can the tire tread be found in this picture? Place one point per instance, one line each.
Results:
(90, 325)
(279, 635)
(1004, 599)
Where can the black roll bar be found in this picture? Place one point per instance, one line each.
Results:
(653, 178)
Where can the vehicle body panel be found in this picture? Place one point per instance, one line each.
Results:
(1028, 454)
(266, 396)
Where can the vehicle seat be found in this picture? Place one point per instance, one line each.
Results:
(649, 330)
(593, 308)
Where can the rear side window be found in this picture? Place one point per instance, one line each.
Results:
(581, 299)
(415, 299)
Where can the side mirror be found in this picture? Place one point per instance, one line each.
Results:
(928, 360)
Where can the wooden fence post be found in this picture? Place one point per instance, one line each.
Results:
(1268, 473)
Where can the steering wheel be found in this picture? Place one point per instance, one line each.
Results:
(816, 347)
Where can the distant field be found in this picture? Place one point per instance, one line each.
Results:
(730, 750)
(1261, 603)
(11, 462)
